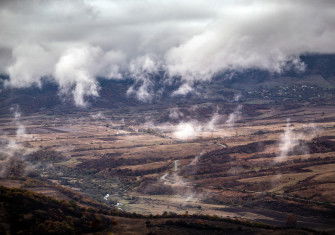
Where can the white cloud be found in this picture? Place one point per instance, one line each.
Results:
(141, 70)
(184, 89)
(30, 63)
(76, 70)
(191, 40)
(261, 35)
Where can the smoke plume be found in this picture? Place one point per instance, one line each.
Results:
(292, 138)
(234, 116)
(12, 163)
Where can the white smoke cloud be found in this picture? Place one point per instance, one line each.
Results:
(179, 184)
(73, 42)
(20, 127)
(174, 179)
(192, 129)
(237, 97)
(106, 197)
(189, 128)
(175, 113)
(196, 159)
(214, 121)
(98, 115)
(12, 151)
(234, 116)
(290, 139)
(186, 130)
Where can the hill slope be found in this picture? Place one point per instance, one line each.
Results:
(25, 212)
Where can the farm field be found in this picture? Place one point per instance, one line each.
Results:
(271, 163)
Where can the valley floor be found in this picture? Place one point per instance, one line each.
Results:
(270, 165)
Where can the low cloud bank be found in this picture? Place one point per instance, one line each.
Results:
(74, 42)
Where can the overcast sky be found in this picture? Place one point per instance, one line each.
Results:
(73, 42)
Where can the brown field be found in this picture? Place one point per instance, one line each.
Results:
(227, 171)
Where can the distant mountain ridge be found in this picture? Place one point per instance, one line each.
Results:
(319, 72)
